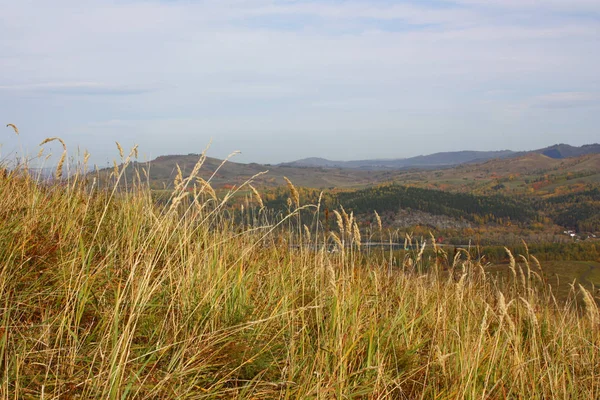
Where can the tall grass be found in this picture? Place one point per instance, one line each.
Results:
(106, 294)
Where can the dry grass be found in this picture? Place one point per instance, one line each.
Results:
(14, 127)
(106, 294)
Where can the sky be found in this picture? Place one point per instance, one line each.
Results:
(281, 80)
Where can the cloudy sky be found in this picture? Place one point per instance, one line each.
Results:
(285, 79)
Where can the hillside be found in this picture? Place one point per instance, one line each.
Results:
(530, 173)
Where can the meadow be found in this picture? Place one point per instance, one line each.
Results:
(108, 294)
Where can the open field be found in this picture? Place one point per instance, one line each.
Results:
(108, 295)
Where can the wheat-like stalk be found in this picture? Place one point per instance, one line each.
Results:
(484, 322)
(257, 195)
(433, 242)
(590, 305)
(337, 240)
(197, 167)
(537, 262)
(307, 232)
(293, 191)
(420, 255)
(340, 222)
(178, 178)
(378, 218)
(59, 166)
(63, 156)
(177, 200)
(350, 221)
(530, 311)
(504, 311)
(332, 277)
(512, 264)
(51, 139)
(346, 218)
(206, 186)
(120, 150)
(14, 128)
(356, 235)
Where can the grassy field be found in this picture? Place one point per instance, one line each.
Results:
(106, 294)
(562, 275)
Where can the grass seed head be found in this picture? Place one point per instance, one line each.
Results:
(51, 139)
(590, 305)
(59, 166)
(14, 128)
(257, 196)
(378, 218)
(207, 187)
(356, 235)
(178, 178)
(120, 150)
(337, 241)
(512, 265)
(293, 191)
(306, 232)
(63, 156)
(346, 218)
(340, 222)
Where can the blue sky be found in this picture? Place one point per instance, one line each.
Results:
(282, 80)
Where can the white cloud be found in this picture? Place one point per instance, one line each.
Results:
(566, 100)
(551, 5)
(78, 88)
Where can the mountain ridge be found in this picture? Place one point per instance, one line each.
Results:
(445, 159)
(162, 170)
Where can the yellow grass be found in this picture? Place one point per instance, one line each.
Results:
(106, 294)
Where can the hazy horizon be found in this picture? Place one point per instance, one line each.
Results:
(286, 80)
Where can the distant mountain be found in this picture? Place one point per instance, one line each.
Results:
(440, 168)
(162, 171)
(424, 161)
(456, 157)
(444, 159)
(314, 162)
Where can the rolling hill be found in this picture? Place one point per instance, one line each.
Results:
(514, 173)
(446, 159)
(423, 161)
(163, 170)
